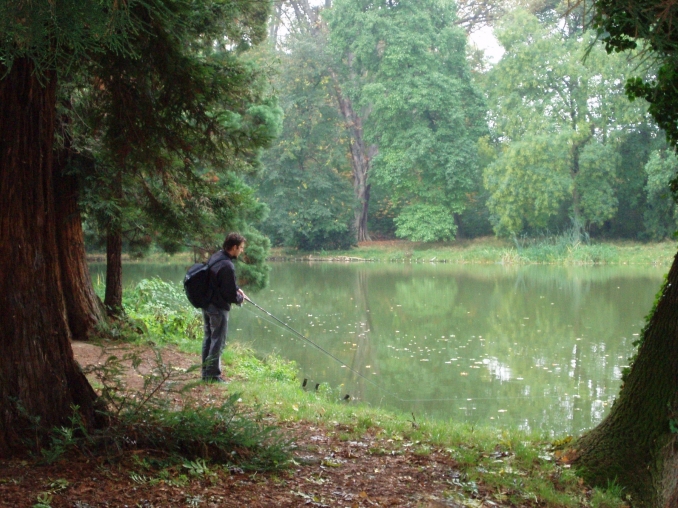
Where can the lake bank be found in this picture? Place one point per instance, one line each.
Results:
(539, 347)
(488, 250)
(366, 453)
(343, 453)
(492, 250)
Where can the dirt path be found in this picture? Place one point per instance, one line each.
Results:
(327, 471)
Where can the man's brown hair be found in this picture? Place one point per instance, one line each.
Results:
(232, 240)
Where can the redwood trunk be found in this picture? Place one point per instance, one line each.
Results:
(634, 445)
(38, 374)
(113, 297)
(84, 308)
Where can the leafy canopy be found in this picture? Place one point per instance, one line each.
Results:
(558, 119)
(306, 181)
(56, 35)
(169, 129)
(404, 63)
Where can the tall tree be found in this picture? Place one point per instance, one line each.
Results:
(334, 29)
(559, 113)
(309, 21)
(84, 309)
(39, 378)
(307, 180)
(38, 374)
(156, 139)
(635, 445)
(403, 64)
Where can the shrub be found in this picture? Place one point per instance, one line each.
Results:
(162, 415)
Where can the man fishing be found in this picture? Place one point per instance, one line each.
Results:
(215, 315)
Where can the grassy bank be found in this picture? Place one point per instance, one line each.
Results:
(515, 467)
(509, 467)
(488, 250)
(493, 250)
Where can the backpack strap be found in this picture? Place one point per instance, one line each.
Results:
(224, 257)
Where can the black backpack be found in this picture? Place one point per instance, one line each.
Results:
(197, 285)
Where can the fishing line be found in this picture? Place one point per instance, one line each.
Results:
(321, 348)
(279, 322)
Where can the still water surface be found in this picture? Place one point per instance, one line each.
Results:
(536, 347)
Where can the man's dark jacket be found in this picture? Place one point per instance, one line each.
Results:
(222, 280)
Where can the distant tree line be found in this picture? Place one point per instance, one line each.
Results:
(395, 128)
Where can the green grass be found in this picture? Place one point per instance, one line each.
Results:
(513, 464)
(554, 250)
(487, 250)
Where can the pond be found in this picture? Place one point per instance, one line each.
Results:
(536, 347)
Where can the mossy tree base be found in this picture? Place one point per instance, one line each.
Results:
(634, 445)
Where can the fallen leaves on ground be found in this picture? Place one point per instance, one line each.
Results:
(326, 471)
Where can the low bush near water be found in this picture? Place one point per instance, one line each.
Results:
(156, 311)
(161, 309)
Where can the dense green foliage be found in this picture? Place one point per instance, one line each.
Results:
(661, 214)
(56, 36)
(162, 165)
(306, 182)
(623, 27)
(559, 127)
(566, 149)
(405, 62)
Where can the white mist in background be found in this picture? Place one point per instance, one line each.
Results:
(484, 39)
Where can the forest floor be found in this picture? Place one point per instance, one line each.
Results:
(330, 466)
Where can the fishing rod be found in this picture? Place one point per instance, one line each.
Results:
(376, 385)
(299, 334)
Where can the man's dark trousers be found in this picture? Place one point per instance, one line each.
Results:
(216, 327)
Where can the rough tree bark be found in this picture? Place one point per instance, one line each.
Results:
(84, 308)
(361, 155)
(38, 374)
(361, 159)
(113, 295)
(634, 445)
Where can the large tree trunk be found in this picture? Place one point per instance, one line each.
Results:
(38, 374)
(634, 445)
(113, 296)
(361, 159)
(84, 308)
(361, 155)
(363, 193)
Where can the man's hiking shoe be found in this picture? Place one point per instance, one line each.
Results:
(214, 380)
